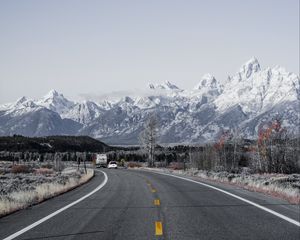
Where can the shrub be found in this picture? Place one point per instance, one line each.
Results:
(20, 169)
(47, 165)
(134, 164)
(176, 165)
(44, 171)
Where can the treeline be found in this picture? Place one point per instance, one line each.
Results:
(27, 156)
(165, 155)
(274, 151)
(52, 144)
(278, 157)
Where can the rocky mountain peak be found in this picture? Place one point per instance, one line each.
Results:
(20, 101)
(163, 86)
(248, 68)
(207, 81)
(52, 94)
(55, 101)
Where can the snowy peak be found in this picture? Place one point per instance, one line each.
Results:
(83, 112)
(164, 86)
(20, 101)
(207, 81)
(208, 86)
(169, 86)
(248, 68)
(23, 102)
(53, 94)
(151, 86)
(127, 99)
(55, 102)
(258, 90)
(21, 106)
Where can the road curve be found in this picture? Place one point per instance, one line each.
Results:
(144, 205)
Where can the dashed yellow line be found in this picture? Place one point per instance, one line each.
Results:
(156, 202)
(158, 229)
(151, 187)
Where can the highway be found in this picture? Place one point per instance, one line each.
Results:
(137, 204)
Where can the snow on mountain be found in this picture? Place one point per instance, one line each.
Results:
(208, 81)
(5, 106)
(83, 112)
(248, 99)
(27, 118)
(21, 106)
(55, 102)
(250, 67)
(164, 86)
(256, 90)
(20, 101)
(145, 102)
(208, 88)
(39, 122)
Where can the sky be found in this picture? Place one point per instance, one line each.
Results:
(96, 47)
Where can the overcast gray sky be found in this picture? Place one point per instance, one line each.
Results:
(95, 47)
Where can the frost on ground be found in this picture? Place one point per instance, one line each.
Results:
(24, 185)
(284, 186)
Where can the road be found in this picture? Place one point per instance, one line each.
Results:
(136, 204)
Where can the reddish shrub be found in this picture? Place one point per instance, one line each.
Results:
(134, 164)
(176, 166)
(20, 169)
(47, 165)
(44, 171)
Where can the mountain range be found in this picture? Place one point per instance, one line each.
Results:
(243, 103)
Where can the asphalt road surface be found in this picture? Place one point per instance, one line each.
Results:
(136, 204)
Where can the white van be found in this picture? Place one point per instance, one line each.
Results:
(101, 160)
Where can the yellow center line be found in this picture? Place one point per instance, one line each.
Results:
(156, 202)
(153, 190)
(158, 229)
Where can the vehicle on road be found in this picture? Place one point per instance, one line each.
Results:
(101, 160)
(112, 164)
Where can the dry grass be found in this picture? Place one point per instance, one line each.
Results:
(134, 165)
(22, 199)
(20, 169)
(270, 185)
(44, 171)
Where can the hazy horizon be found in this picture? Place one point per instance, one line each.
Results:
(101, 47)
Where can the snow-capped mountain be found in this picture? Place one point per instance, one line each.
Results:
(83, 112)
(208, 83)
(245, 101)
(56, 102)
(257, 90)
(164, 86)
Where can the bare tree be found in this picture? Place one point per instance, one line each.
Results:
(236, 141)
(196, 158)
(148, 138)
(84, 162)
(58, 166)
(273, 148)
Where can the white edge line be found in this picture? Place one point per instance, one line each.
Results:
(290, 220)
(58, 211)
